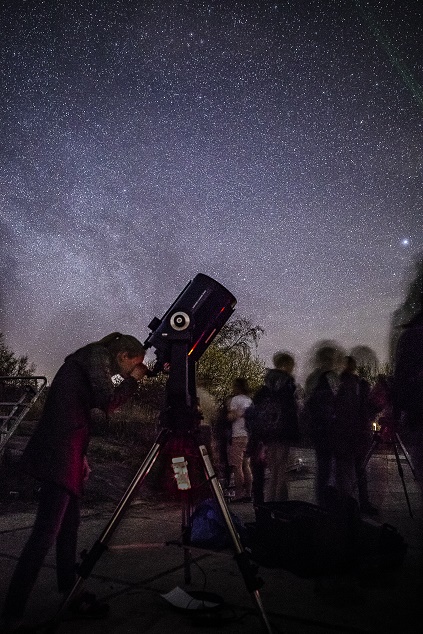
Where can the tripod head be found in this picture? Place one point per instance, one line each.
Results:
(180, 337)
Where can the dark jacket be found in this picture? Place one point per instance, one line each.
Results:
(277, 409)
(352, 429)
(56, 450)
(320, 407)
(408, 372)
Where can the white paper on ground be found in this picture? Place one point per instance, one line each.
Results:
(181, 599)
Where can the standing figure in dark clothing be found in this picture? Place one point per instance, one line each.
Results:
(408, 390)
(281, 390)
(222, 433)
(352, 435)
(273, 429)
(321, 388)
(56, 456)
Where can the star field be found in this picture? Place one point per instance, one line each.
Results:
(275, 146)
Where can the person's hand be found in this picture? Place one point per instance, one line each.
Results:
(86, 470)
(139, 371)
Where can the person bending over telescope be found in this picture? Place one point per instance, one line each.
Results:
(56, 452)
(56, 456)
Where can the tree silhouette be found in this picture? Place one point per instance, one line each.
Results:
(12, 365)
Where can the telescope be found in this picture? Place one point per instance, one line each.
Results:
(195, 317)
(180, 337)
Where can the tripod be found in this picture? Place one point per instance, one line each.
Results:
(388, 435)
(179, 422)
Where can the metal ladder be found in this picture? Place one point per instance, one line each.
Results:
(17, 395)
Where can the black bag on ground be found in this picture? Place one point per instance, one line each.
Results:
(310, 541)
(382, 548)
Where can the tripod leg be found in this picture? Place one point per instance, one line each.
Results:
(406, 454)
(186, 514)
(401, 474)
(248, 571)
(91, 558)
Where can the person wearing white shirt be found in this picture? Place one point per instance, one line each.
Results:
(238, 460)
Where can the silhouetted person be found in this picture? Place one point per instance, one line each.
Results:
(56, 456)
(408, 382)
(382, 406)
(222, 435)
(408, 390)
(256, 451)
(277, 423)
(237, 454)
(209, 412)
(411, 306)
(352, 435)
(321, 388)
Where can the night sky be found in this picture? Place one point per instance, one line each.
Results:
(275, 146)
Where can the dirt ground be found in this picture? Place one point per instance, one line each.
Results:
(114, 463)
(133, 577)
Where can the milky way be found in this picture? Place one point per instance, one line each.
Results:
(275, 146)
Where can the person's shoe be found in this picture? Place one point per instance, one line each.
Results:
(369, 509)
(87, 606)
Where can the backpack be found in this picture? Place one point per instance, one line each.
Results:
(264, 417)
(270, 419)
(311, 541)
(209, 529)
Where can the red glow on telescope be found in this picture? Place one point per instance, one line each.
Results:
(211, 335)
